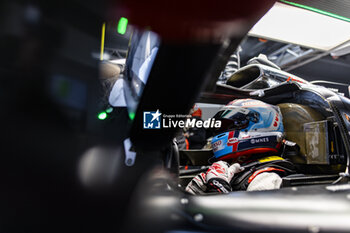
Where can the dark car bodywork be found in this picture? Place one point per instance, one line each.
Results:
(45, 139)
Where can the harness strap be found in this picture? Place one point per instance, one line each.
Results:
(241, 180)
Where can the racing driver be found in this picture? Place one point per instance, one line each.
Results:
(246, 150)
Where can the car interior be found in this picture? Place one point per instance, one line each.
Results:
(77, 80)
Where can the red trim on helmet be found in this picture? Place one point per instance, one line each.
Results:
(249, 152)
(266, 169)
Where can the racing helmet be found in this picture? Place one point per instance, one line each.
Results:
(248, 127)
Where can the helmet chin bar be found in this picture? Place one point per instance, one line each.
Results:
(244, 156)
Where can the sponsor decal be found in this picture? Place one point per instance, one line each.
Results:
(218, 145)
(254, 103)
(232, 140)
(220, 187)
(258, 140)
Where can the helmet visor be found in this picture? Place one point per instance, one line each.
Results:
(235, 118)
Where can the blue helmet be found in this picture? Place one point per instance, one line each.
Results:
(248, 127)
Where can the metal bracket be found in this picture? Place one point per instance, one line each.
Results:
(130, 156)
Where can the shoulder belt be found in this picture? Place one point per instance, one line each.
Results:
(241, 180)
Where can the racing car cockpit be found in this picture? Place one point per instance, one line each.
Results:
(314, 135)
(310, 158)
